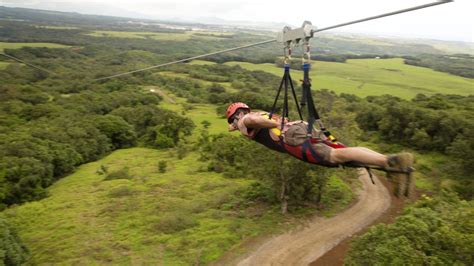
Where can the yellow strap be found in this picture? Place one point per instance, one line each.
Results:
(275, 130)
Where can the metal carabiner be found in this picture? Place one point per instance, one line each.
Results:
(306, 58)
(287, 59)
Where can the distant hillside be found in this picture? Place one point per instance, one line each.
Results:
(450, 47)
(327, 43)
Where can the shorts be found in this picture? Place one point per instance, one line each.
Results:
(296, 133)
(323, 150)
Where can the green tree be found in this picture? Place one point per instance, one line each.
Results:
(117, 130)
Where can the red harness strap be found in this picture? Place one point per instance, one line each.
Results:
(306, 152)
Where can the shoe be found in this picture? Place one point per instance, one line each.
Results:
(393, 160)
(400, 168)
(401, 162)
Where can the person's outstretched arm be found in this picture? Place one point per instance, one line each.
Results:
(253, 120)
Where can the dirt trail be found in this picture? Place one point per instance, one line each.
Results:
(305, 246)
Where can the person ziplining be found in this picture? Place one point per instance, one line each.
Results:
(291, 139)
(299, 138)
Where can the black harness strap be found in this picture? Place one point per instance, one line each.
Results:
(285, 81)
(294, 97)
(277, 96)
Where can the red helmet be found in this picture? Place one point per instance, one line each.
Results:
(233, 107)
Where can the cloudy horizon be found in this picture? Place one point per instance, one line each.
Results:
(450, 21)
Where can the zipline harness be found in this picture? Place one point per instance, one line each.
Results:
(305, 151)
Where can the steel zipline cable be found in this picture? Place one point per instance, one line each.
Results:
(187, 59)
(28, 64)
(438, 2)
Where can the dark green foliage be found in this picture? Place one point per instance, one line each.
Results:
(206, 124)
(117, 130)
(250, 84)
(12, 249)
(457, 64)
(433, 232)
(123, 173)
(162, 166)
(30, 164)
(442, 123)
(157, 127)
(281, 178)
(47, 129)
(258, 191)
(102, 170)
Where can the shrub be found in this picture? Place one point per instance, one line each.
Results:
(175, 222)
(181, 150)
(206, 123)
(433, 232)
(12, 250)
(120, 191)
(162, 166)
(259, 192)
(102, 170)
(119, 174)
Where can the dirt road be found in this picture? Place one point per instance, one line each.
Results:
(305, 246)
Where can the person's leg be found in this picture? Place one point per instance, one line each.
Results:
(359, 154)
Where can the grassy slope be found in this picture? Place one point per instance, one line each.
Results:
(201, 62)
(226, 85)
(89, 220)
(198, 113)
(364, 77)
(17, 45)
(3, 65)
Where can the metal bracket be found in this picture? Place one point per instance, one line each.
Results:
(293, 36)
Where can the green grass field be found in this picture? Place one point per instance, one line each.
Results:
(160, 36)
(365, 77)
(18, 45)
(197, 114)
(226, 85)
(180, 217)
